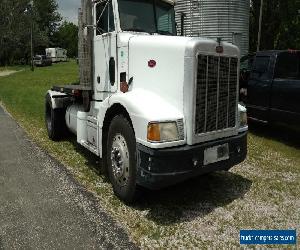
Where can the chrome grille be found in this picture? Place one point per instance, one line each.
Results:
(180, 127)
(216, 95)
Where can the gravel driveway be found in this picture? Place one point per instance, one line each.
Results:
(42, 206)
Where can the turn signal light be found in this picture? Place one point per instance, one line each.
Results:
(162, 132)
(153, 132)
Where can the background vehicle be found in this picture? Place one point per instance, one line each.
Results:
(57, 54)
(274, 87)
(42, 60)
(157, 108)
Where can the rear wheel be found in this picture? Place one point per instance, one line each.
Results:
(121, 159)
(55, 120)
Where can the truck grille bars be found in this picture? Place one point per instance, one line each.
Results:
(216, 94)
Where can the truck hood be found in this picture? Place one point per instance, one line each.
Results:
(159, 64)
(156, 64)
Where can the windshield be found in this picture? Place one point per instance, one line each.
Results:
(151, 16)
(247, 62)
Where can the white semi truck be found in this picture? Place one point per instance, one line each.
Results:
(157, 108)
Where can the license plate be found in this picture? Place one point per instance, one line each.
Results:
(216, 154)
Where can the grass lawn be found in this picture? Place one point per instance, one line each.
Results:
(208, 211)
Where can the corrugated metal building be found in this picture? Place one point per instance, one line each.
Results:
(228, 19)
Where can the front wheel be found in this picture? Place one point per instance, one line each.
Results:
(121, 159)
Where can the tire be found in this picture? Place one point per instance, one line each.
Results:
(121, 159)
(55, 121)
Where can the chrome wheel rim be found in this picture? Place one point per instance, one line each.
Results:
(120, 160)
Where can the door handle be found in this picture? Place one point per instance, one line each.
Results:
(98, 79)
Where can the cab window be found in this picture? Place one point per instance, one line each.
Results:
(288, 66)
(165, 19)
(105, 18)
(261, 67)
(247, 63)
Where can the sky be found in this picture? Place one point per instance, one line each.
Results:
(69, 9)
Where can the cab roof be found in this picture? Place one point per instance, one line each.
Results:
(276, 52)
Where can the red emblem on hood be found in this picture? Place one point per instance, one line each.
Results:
(151, 63)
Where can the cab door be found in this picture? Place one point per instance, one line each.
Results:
(259, 88)
(285, 103)
(105, 50)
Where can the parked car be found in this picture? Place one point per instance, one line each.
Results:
(42, 60)
(273, 89)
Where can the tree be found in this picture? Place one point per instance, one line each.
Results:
(66, 37)
(47, 20)
(288, 35)
(280, 24)
(13, 35)
(15, 23)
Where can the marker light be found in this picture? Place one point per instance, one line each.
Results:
(124, 87)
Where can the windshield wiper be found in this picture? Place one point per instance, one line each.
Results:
(164, 32)
(138, 30)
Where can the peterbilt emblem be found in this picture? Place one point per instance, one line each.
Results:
(151, 63)
(219, 48)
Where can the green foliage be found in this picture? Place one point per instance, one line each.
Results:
(280, 24)
(13, 35)
(46, 16)
(16, 19)
(67, 37)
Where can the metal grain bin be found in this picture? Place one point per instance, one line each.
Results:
(228, 19)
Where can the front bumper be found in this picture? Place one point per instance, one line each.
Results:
(158, 168)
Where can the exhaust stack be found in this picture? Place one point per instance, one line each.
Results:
(85, 43)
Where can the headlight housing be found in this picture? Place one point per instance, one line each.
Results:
(163, 132)
(243, 119)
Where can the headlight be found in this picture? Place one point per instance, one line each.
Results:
(162, 132)
(243, 119)
(243, 116)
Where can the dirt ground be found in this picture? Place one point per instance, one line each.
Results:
(7, 72)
